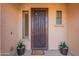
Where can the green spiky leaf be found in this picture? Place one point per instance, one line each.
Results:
(20, 44)
(63, 45)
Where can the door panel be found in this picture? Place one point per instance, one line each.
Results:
(39, 29)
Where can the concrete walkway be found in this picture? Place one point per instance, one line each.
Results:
(47, 53)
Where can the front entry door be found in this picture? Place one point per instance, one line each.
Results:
(39, 28)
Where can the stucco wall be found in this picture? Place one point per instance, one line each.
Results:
(56, 33)
(73, 28)
(10, 23)
(0, 29)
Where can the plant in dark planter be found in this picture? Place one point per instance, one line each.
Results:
(20, 48)
(63, 48)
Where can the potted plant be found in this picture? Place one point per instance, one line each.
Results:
(20, 48)
(63, 48)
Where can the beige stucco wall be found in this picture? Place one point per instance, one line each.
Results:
(73, 28)
(0, 29)
(10, 23)
(56, 33)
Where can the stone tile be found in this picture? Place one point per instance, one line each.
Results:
(47, 53)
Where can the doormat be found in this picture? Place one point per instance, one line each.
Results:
(38, 52)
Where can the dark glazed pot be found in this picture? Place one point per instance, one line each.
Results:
(64, 51)
(20, 51)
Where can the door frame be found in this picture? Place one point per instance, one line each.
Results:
(46, 9)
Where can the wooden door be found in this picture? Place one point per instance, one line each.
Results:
(39, 28)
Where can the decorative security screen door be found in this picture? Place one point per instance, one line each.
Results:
(39, 28)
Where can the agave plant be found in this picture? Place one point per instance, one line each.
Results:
(20, 44)
(20, 48)
(63, 45)
(63, 48)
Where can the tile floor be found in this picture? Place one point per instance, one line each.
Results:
(47, 53)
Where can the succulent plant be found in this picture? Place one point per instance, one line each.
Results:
(20, 44)
(63, 45)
